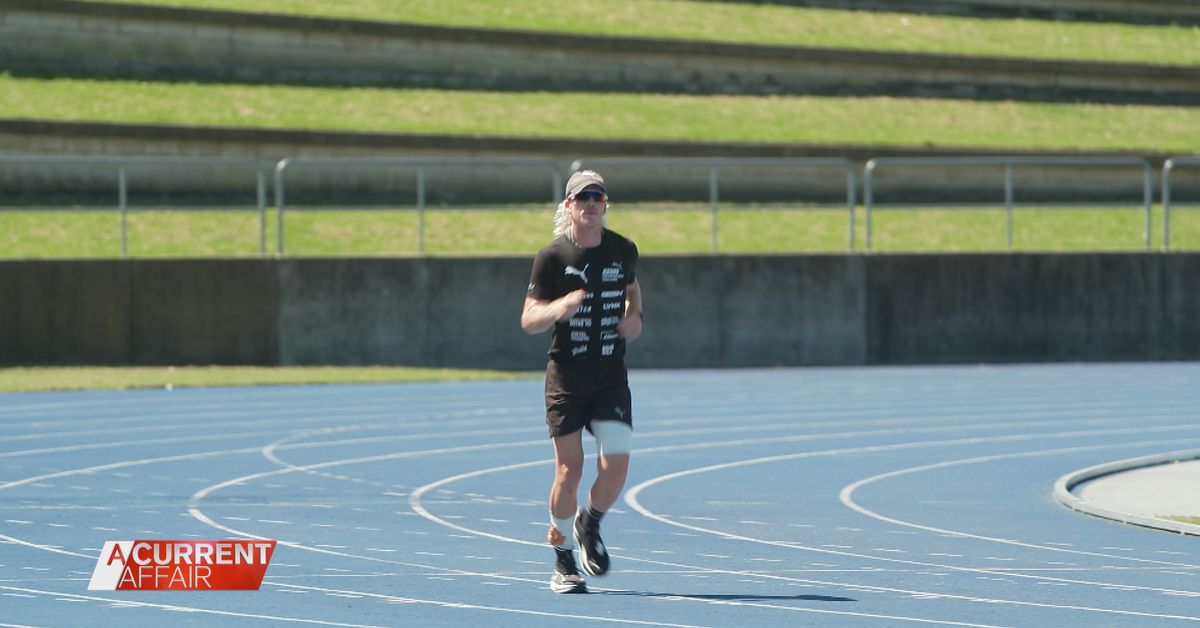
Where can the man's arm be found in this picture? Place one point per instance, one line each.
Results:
(539, 316)
(630, 326)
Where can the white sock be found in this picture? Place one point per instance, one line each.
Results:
(565, 527)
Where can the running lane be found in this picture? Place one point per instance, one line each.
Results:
(857, 497)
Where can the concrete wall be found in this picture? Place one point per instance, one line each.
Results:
(702, 311)
(72, 38)
(138, 312)
(1007, 308)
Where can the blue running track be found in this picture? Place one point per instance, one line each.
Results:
(787, 497)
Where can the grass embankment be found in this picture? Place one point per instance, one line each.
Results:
(70, 234)
(25, 379)
(764, 24)
(645, 116)
(742, 119)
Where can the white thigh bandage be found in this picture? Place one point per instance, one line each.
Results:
(613, 437)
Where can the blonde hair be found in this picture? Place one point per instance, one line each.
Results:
(562, 218)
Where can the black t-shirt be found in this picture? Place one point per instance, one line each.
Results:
(604, 271)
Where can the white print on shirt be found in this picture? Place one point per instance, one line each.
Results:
(609, 334)
(571, 270)
(612, 294)
(578, 349)
(612, 273)
(606, 350)
(579, 336)
(581, 322)
(609, 321)
(611, 305)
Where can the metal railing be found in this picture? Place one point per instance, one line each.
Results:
(1007, 162)
(714, 165)
(123, 165)
(420, 164)
(1168, 168)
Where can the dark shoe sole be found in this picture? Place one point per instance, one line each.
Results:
(585, 562)
(577, 588)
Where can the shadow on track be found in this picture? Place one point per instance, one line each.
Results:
(730, 597)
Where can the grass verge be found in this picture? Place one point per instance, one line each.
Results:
(680, 229)
(654, 117)
(27, 379)
(763, 24)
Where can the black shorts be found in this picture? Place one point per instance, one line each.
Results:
(578, 393)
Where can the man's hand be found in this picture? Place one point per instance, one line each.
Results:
(539, 316)
(570, 304)
(630, 326)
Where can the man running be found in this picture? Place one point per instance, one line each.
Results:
(584, 286)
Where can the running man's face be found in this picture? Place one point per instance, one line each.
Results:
(588, 207)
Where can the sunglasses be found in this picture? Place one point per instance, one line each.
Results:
(590, 195)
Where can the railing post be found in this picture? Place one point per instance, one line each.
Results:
(279, 202)
(1008, 203)
(850, 201)
(868, 196)
(421, 210)
(1148, 199)
(1166, 201)
(123, 200)
(714, 201)
(261, 193)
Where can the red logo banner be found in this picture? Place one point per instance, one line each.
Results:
(166, 565)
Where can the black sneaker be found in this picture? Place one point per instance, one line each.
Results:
(591, 547)
(566, 578)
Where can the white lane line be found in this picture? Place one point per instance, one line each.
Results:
(107, 467)
(924, 594)
(441, 570)
(418, 507)
(913, 445)
(464, 605)
(464, 419)
(128, 463)
(414, 498)
(631, 498)
(184, 609)
(133, 443)
(436, 569)
(285, 443)
(415, 502)
(847, 497)
(117, 404)
(401, 600)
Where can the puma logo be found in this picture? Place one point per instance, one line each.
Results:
(620, 412)
(571, 270)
